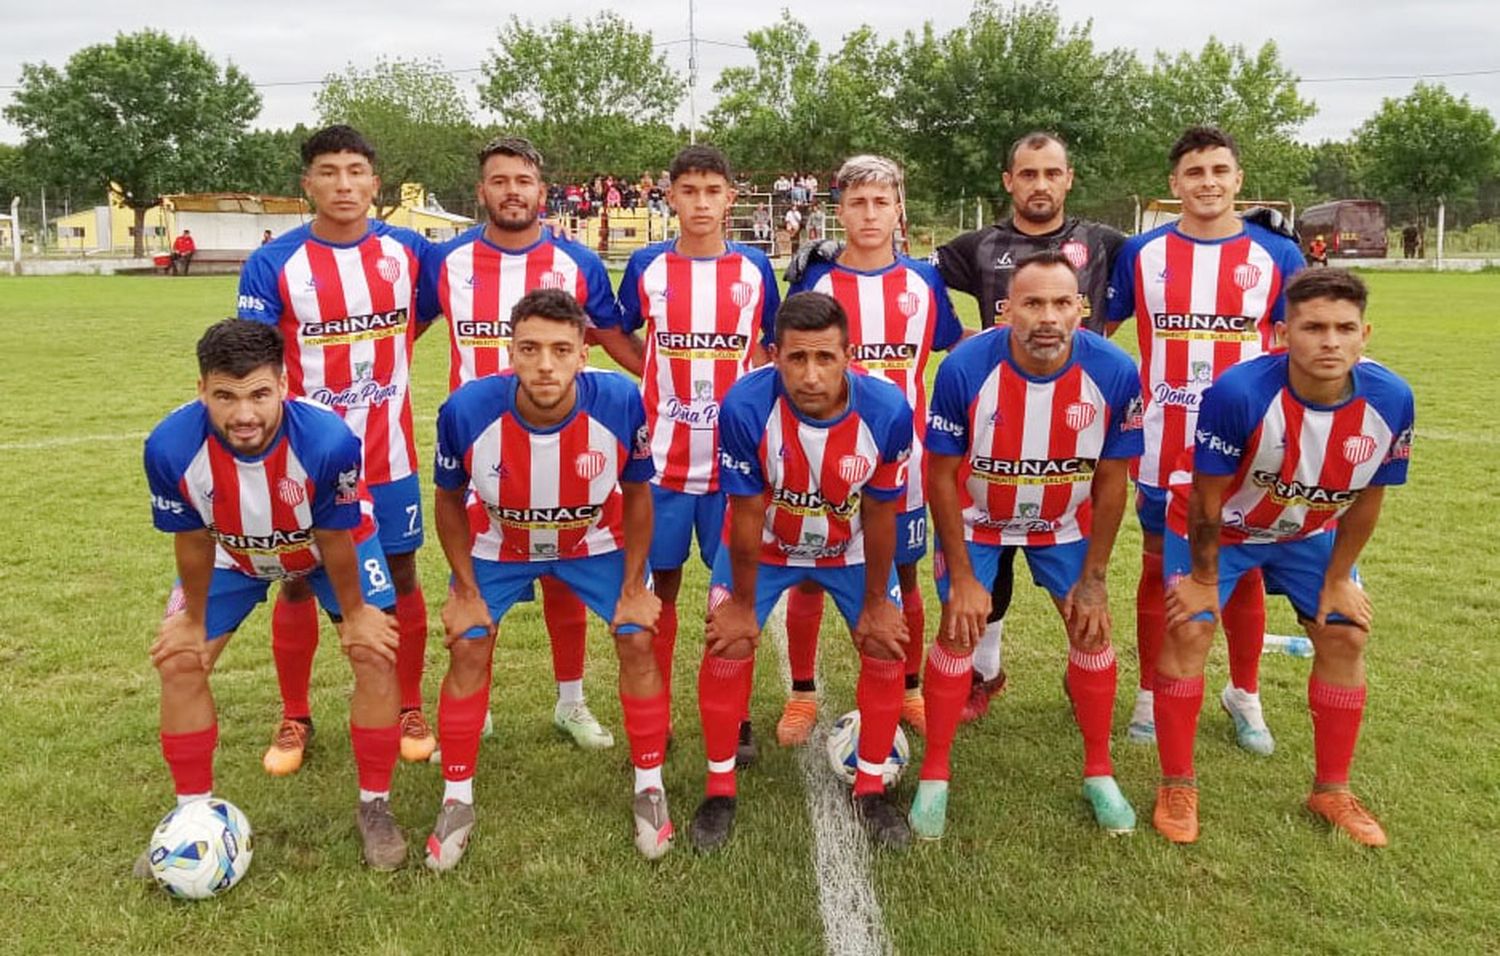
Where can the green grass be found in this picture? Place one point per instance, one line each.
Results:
(83, 578)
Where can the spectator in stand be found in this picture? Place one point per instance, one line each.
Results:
(793, 224)
(760, 222)
(630, 197)
(656, 197)
(781, 188)
(265, 237)
(612, 197)
(645, 183)
(810, 183)
(183, 248)
(834, 191)
(816, 223)
(663, 182)
(573, 194)
(798, 192)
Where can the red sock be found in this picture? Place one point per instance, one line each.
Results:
(375, 752)
(190, 757)
(646, 727)
(1150, 617)
(804, 616)
(878, 695)
(460, 720)
(664, 644)
(1091, 683)
(568, 624)
(1245, 630)
(1178, 701)
(723, 694)
(411, 653)
(944, 691)
(294, 641)
(916, 630)
(1336, 715)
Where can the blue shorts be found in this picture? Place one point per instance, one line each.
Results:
(676, 515)
(1294, 569)
(911, 536)
(1151, 508)
(232, 594)
(398, 514)
(846, 583)
(595, 579)
(1055, 567)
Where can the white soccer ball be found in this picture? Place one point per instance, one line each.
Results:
(201, 849)
(843, 751)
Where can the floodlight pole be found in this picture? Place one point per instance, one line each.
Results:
(15, 230)
(692, 78)
(1442, 217)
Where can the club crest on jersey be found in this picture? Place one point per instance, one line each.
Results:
(291, 492)
(553, 280)
(855, 468)
(1079, 415)
(1246, 276)
(590, 465)
(907, 303)
(740, 293)
(389, 268)
(1076, 252)
(1359, 449)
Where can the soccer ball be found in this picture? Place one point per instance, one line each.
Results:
(201, 849)
(843, 751)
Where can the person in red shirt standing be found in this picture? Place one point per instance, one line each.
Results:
(183, 248)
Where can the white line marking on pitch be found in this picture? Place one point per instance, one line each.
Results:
(62, 441)
(852, 922)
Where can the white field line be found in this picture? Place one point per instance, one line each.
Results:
(62, 441)
(852, 922)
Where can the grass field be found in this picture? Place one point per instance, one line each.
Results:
(94, 363)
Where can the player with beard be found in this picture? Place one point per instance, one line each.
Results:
(1038, 177)
(476, 279)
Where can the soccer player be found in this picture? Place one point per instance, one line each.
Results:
(258, 487)
(899, 313)
(1032, 429)
(814, 461)
(1038, 176)
(343, 291)
(1290, 460)
(703, 302)
(477, 278)
(559, 460)
(1206, 292)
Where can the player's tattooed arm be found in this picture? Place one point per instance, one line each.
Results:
(1198, 591)
(1086, 608)
(638, 605)
(732, 630)
(465, 610)
(968, 605)
(364, 625)
(183, 632)
(1341, 594)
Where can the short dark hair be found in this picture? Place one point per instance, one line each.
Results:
(811, 312)
(338, 138)
(699, 158)
(1043, 257)
(553, 304)
(1195, 138)
(238, 347)
(1034, 140)
(518, 146)
(1341, 285)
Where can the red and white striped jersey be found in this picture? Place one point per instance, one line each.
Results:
(348, 314)
(1030, 445)
(476, 284)
(1296, 466)
(702, 318)
(1200, 306)
(812, 473)
(898, 316)
(552, 493)
(260, 511)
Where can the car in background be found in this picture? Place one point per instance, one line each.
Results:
(1351, 228)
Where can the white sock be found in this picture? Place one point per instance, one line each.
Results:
(365, 796)
(646, 779)
(460, 790)
(190, 797)
(570, 691)
(987, 655)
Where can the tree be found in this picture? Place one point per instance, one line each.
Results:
(268, 161)
(414, 114)
(1428, 147)
(592, 96)
(1337, 171)
(149, 113)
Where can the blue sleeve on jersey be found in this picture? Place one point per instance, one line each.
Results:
(770, 302)
(742, 423)
(617, 403)
(1289, 261)
(1399, 411)
(260, 286)
(1122, 389)
(448, 469)
(1225, 423)
(335, 501)
(892, 424)
(430, 271)
(628, 308)
(601, 306)
(1120, 299)
(170, 512)
(947, 331)
(948, 410)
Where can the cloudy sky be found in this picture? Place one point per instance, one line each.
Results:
(287, 47)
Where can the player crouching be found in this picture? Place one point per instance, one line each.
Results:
(558, 457)
(1032, 429)
(257, 488)
(1292, 455)
(813, 458)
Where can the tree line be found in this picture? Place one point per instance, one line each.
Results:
(158, 115)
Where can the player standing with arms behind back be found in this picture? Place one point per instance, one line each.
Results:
(1206, 292)
(343, 291)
